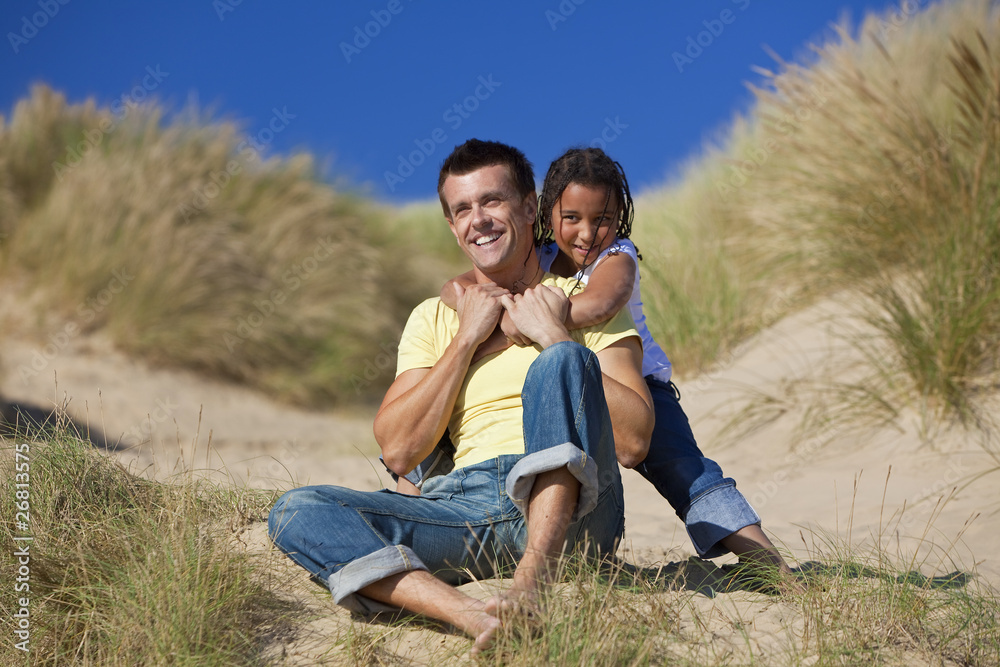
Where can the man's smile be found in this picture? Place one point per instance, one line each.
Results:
(487, 239)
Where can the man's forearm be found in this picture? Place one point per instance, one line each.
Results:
(409, 425)
(417, 406)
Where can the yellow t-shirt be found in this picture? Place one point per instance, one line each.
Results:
(487, 419)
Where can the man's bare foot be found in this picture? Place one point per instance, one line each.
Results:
(488, 628)
(517, 611)
(513, 604)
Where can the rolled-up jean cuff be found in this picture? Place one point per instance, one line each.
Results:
(522, 476)
(387, 561)
(714, 516)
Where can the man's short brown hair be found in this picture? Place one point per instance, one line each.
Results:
(475, 154)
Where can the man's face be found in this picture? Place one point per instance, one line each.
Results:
(491, 223)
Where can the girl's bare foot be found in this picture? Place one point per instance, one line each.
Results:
(790, 584)
(767, 577)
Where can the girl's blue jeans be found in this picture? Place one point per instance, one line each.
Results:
(709, 504)
(470, 522)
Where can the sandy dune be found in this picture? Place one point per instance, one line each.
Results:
(808, 487)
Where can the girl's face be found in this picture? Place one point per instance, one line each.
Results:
(584, 222)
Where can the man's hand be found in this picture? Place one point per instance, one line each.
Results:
(511, 331)
(479, 309)
(453, 290)
(452, 293)
(539, 314)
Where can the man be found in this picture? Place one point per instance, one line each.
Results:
(545, 422)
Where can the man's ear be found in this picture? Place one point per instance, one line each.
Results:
(531, 205)
(454, 232)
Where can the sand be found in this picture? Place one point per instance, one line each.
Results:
(910, 486)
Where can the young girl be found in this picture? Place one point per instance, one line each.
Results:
(583, 227)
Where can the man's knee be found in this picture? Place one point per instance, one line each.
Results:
(567, 358)
(277, 517)
(286, 509)
(566, 352)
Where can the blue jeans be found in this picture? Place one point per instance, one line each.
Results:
(708, 503)
(470, 522)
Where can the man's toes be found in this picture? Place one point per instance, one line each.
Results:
(487, 635)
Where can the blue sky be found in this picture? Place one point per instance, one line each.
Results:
(381, 90)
